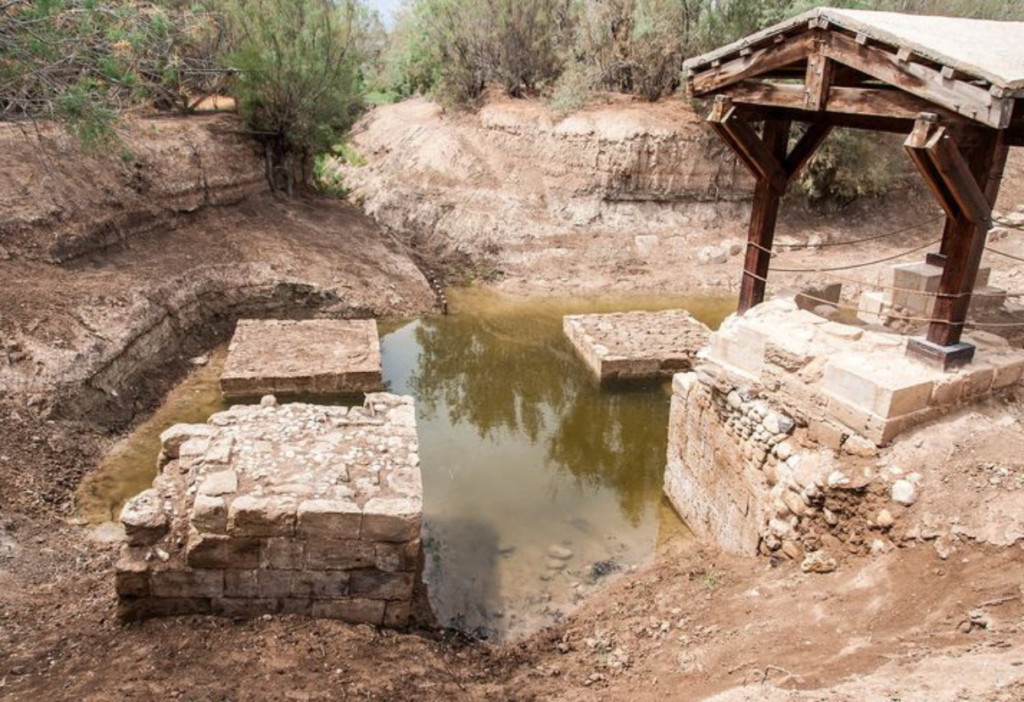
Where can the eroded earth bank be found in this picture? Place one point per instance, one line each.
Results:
(117, 269)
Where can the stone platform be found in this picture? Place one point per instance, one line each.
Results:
(307, 357)
(772, 439)
(911, 289)
(294, 508)
(629, 346)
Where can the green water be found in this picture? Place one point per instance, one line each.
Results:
(520, 450)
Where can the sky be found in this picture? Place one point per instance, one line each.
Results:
(387, 9)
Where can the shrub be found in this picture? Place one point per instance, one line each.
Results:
(297, 71)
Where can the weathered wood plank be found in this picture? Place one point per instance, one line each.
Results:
(763, 216)
(805, 148)
(925, 82)
(757, 63)
(742, 138)
(916, 147)
(817, 82)
(956, 173)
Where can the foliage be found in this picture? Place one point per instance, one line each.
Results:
(298, 72)
(851, 164)
(84, 62)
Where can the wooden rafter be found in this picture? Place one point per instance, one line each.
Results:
(758, 62)
(947, 172)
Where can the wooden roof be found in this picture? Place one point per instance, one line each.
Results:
(985, 50)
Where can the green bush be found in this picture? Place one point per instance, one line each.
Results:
(297, 66)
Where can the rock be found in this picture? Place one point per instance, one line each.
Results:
(735, 247)
(199, 360)
(837, 479)
(559, 552)
(884, 519)
(793, 550)
(814, 241)
(784, 450)
(554, 564)
(646, 244)
(222, 482)
(857, 445)
(794, 502)
(818, 562)
(826, 311)
(144, 519)
(268, 401)
(734, 399)
(904, 492)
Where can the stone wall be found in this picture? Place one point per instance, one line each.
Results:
(774, 439)
(280, 509)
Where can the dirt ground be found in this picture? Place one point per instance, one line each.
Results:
(939, 618)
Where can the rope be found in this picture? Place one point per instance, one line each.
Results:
(876, 237)
(851, 266)
(1003, 253)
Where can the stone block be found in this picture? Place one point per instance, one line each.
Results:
(321, 585)
(872, 307)
(397, 614)
(274, 583)
(899, 388)
(210, 514)
(131, 578)
(262, 516)
(307, 356)
(946, 391)
(392, 558)
(740, 346)
(143, 607)
(391, 519)
(215, 551)
(240, 583)
(244, 607)
(978, 379)
(222, 482)
(810, 297)
(172, 439)
(331, 519)
(1009, 371)
(282, 553)
(218, 453)
(325, 554)
(144, 519)
(187, 583)
(861, 421)
(352, 610)
(826, 434)
(917, 283)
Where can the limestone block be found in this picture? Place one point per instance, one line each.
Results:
(946, 391)
(380, 586)
(215, 551)
(396, 614)
(332, 519)
(210, 514)
(193, 449)
(1009, 371)
(144, 519)
(188, 583)
(842, 331)
(740, 346)
(240, 583)
(898, 388)
(244, 607)
(872, 307)
(282, 553)
(131, 578)
(978, 380)
(273, 583)
(811, 296)
(262, 516)
(391, 519)
(219, 451)
(222, 482)
(321, 585)
(352, 610)
(918, 283)
(172, 439)
(327, 554)
(397, 557)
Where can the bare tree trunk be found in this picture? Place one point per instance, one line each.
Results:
(268, 161)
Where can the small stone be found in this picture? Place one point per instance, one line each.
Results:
(857, 445)
(144, 519)
(884, 519)
(818, 562)
(268, 401)
(559, 552)
(784, 450)
(734, 399)
(222, 482)
(554, 564)
(904, 492)
(793, 550)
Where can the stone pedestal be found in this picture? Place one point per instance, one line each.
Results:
(307, 357)
(280, 509)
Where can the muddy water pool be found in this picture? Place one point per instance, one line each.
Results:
(524, 458)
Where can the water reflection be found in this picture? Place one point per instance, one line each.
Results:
(522, 451)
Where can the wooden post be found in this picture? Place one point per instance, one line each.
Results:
(963, 181)
(763, 216)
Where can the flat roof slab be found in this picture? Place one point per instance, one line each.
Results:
(627, 346)
(270, 508)
(302, 357)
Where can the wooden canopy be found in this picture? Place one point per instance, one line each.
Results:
(954, 86)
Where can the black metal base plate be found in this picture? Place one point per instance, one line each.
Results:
(942, 357)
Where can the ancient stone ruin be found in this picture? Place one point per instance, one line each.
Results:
(271, 508)
(627, 346)
(305, 357)
(767, 436)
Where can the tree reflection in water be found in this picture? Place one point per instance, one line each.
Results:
(506, 370)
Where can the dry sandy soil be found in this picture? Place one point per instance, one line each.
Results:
(939, 618)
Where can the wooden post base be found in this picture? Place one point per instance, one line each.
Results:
(944, 358)
(936, 259)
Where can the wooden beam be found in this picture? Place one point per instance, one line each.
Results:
(817, 82)
(876, 102)
(741, 138)
(805, 148)
(956, 173)
(763, 216)
(916, 78)
(916, 147)
(759, 61)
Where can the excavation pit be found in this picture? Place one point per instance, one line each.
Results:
(304, 357)
(267, 509)
(634, 346)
